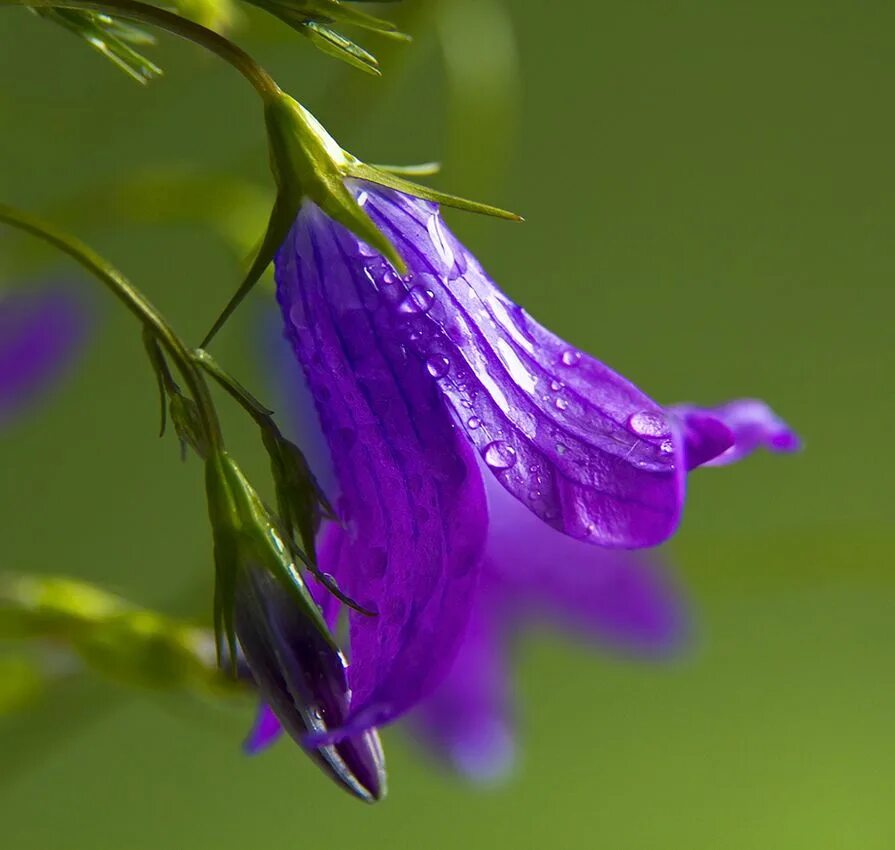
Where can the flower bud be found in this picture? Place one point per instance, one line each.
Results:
(301, 676)
(262, 601)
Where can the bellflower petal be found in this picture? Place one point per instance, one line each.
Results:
(39, 331)
(587, 451)
(409, 374)
(467, 722)
(534, 576)
(725, 434)
(264, 732)
(412, 501)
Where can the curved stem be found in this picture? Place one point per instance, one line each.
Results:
(135, 301)
(133, 10)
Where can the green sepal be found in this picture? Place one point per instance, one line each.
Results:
(183, 410)
(301, 503)
(308, 165)
(362, 171)
(335, 11)
(188, 424)
(297, 12)
(162, 375)
(247, 536)
(334, 44)
(313, 19)
(421, 169)
(111, 37)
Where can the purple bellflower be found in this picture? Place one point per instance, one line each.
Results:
(427, 384)
(39, 331)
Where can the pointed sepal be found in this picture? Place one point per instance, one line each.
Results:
(393, 180)
(421, 169)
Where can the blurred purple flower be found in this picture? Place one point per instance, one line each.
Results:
(418, 379)
(39, 331)
(534, 576)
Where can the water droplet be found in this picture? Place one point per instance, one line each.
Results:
(666, 446)
(500, 455)
(418, 300)
(561, 404)
(534, 495)
(389, 278)
(556, 386)
(438, 365)
(439, 241)
(473, 422)
(366, 251)
(571, 357)
(362, 198)
(561, 448)
(647, 424)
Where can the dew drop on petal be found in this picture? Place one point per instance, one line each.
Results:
(561, 448)
(473, 422)
(439, 241)
(366, 251)
(666, 446)
(500, 455)
(438, 365)
(570, 357)
(556, 386)
(389, 278)
(418, 300)
(647, 424)
(561, 404)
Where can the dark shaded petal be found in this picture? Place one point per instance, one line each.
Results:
(412, 501)
(39, 331)
(302, 678)
(583, 448)
(705, 438)
(718, 436)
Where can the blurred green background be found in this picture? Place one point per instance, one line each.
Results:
(709, 191)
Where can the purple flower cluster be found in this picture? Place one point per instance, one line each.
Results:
(478, 458)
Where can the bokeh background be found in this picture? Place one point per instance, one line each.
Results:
(710, 199)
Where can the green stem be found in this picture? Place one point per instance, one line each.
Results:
(133, 10)
(262, 415)
(135, 301)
